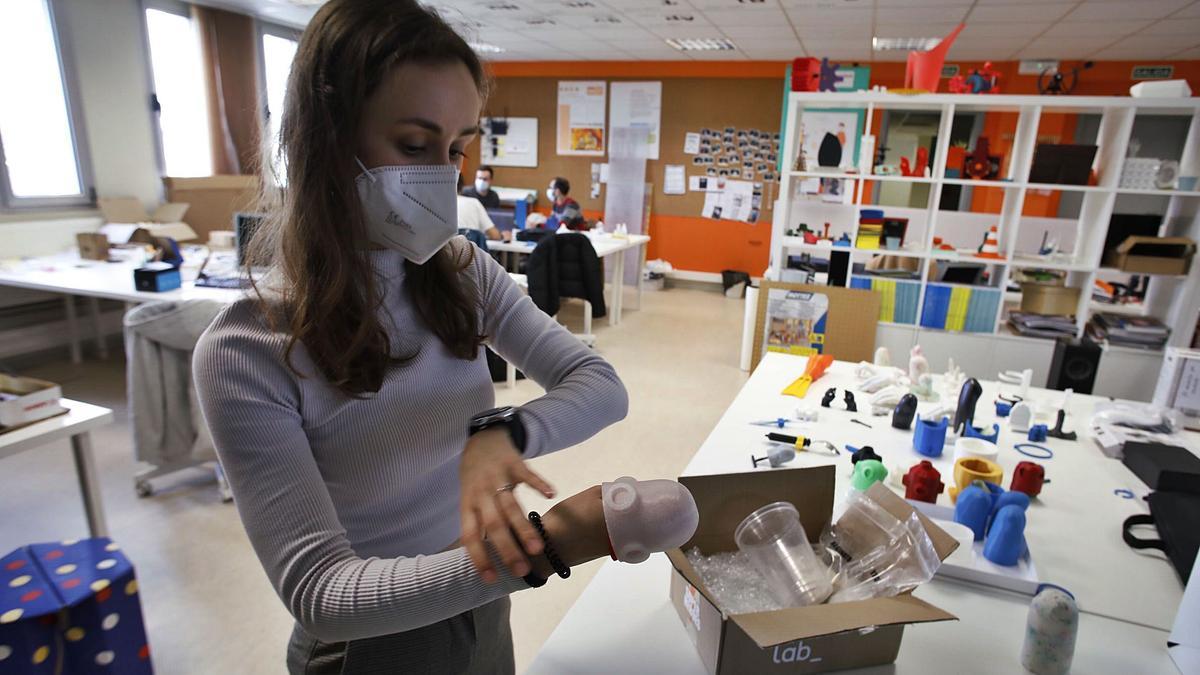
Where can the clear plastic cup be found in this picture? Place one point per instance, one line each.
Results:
(775, 541)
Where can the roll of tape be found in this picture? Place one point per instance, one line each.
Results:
(975, 447)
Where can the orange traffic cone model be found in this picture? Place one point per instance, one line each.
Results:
(991, 245)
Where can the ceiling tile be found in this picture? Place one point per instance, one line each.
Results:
(909, 14)
(707, 6)
(924, 3)
(1059, 53)
(1188, 54)
(1013, 32)
(670, 16)
(687, 32)
(968, 54)
(727, 17)
(1192, 10)
(1134, 53)
(904, 30)
(826, 32)
(830, 17)
(1178, 42)
(1174, 26)
(622, 34)
(1046, 11)
(1095, 28)
(1109, 10)
(759, 32)
(822, 4)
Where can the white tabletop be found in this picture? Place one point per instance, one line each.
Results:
(81, 417)
(605, 244)
(1074, 526)
(624, 623)
(67, 273)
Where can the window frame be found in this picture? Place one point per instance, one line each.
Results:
(264, 28)
(10, 203)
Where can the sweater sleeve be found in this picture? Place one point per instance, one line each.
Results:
(583, 393)
(252, 403)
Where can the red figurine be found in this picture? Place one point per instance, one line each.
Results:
(1028, 477)
(923, 482)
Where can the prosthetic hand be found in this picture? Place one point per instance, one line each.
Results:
(647, 516)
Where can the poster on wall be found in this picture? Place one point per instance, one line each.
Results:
(509, 141)
(580, 128)
(794, 322)
(638, 105)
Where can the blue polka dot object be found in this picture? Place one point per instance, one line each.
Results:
(74, 602)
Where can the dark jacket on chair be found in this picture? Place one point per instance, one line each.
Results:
(565, 266)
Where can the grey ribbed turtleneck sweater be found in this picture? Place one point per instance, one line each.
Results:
(351, 503)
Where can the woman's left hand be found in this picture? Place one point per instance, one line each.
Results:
(491, 467)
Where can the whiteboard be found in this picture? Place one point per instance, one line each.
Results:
(518, 147)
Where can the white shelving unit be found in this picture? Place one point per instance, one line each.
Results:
(992, 346)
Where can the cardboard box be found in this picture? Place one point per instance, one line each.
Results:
(1049, 299)
(1156, 255)
(127, 222)
(92, 245)
(814, 639)
(71, 607)
(213, 200)
(27, 400)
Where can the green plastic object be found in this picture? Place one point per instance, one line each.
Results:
(867, 473)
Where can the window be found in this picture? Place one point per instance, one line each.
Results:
(278, 50)
(40, 139)
(179, 92)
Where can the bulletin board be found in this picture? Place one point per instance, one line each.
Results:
(688, 105)
(518, 146)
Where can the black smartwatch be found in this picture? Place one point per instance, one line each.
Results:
(508, 417)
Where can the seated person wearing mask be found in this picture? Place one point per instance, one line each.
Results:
(564, 210)
(472, 215)
(482, 189)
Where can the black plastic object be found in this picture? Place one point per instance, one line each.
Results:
(830, 394)
(1074, 365)
(906, 410)
(1057, 431)
(850, 404)
(968, 396)
(1174, 515)
(865, 452)
(1163, 467)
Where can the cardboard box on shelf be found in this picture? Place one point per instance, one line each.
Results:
(1156, 255)
(1049, 299)
(25, 400)
(814, 639)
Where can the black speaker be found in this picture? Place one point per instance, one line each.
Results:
(1074, 365)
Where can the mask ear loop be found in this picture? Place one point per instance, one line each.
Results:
(365, 170)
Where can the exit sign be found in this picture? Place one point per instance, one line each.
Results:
(950, 70)
(1152, 72)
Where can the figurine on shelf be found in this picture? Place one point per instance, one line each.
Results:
(919, 168)
(990, 248)
(829, 78)
(1052, 82)
(958, 85)
(984, 81)
(981, 165)
(918, 365)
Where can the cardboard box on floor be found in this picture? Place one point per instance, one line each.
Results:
(814, 639)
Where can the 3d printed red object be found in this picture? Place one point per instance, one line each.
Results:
(925, 68)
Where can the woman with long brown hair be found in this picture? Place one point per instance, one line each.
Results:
(348, 396)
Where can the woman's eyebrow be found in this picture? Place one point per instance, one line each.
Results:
(435, 127)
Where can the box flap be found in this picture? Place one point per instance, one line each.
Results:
(768, 629)
(894, 504)
(175, 230)
(171, 212)
(121, 209)
(1174, 247)
(724, 500)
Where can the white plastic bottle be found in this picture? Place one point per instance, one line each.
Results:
(1050, 631)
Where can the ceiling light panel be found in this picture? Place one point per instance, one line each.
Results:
(701, 44)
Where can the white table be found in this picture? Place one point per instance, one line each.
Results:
(605, 245)
(1128, 598)
(76, 424)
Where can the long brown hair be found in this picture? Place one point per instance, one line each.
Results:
(314, 237)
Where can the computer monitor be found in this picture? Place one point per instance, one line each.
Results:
(503, 219)
(244, 227)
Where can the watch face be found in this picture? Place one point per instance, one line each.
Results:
(493, 416)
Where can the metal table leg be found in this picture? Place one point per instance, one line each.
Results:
(641, 277)
(89, 487)
(97, 326)
(73, 329)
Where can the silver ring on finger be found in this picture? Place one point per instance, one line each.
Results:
(506, 488)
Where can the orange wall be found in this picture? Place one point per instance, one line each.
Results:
(701, 244)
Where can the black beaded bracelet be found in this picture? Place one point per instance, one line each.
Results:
(559, 568)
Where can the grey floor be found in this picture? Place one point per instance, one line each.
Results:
(208, 606)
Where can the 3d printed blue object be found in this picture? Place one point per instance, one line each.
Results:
(1003, 500)
(929, 437)
(1006, 538)
(1037, 433)
(1002, 409)
(976, 432)
(972, 509)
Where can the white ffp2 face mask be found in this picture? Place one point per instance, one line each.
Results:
(550, 195)
(481, 186)
(412, 209)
